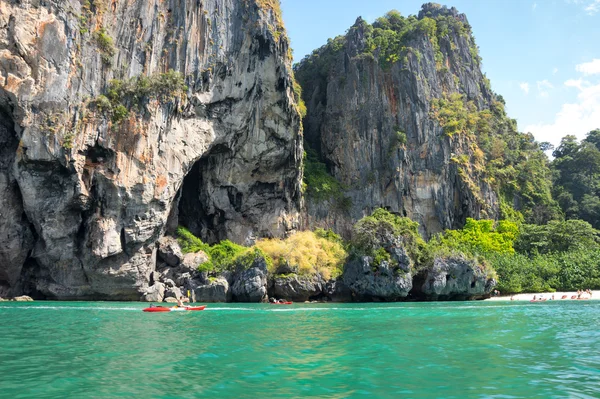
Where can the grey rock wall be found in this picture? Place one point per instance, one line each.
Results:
(84, 200)
(354, 112)
(456, 278)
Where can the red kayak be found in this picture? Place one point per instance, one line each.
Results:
(280, 303)
(172, 309)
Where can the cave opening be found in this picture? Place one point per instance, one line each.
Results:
(197, 207)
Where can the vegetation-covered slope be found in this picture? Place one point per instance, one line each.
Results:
(400, 114)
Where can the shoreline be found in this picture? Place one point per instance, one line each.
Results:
(547, 295)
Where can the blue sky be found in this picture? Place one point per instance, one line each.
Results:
(542, 56)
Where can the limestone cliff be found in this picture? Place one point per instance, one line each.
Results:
(377, 100)
(120, 119)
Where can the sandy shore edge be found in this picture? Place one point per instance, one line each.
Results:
(547, 295)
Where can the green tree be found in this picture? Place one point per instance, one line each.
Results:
(577, 177)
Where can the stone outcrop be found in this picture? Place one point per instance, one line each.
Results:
(298, 288)
(23, 298)
(369, 282)
(251, 285)
(456, 278)
(86, 193)
(154, 293)
(169, 251)
(215, 290)
(370, 121)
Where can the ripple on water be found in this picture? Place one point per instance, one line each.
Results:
(420, 350)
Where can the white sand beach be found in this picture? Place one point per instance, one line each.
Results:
(546, 295)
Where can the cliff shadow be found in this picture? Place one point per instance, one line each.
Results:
(197, 204)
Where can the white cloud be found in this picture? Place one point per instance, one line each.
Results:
(525, 87)
(544, 87)
(577, 118)
(576, 83)
(593, 7)
(555, 71)
(590, 68)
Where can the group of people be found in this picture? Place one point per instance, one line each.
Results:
(273, 300)
(581, 294)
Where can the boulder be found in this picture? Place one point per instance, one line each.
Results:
(191, 261)
(154, 293)
(23, 298)
(457, 278)
(216, 290)
(368, 282)
(298, 288)
(173, 292)
(169, 251)
(251, 285)
(171, 300)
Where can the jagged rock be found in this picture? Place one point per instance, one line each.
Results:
(3, 300)
(401, 257)
(173, 292)
(169, 251)
(169, 283)
(251, 285)
(369, 282)
(16, 238)
(298, 288)
(191, 261)
(216, 290)
(337, 291)
(155, 293)
(23, 298)
(365, 112)
(286, 268)
(170, 300)
(183, 279)
(456, 278)
(86, 197)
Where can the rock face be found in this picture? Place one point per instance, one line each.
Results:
(370, 121)
(169, 251)
(155, 293)
(216, 290)
(456, 278)
(85, 195)
(298, 288)
(251, 285)
(368, 282)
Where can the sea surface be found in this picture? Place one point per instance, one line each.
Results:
(400, 350)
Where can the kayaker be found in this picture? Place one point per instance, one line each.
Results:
(180, 302)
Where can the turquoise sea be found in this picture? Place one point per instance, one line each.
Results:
(399, 350)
